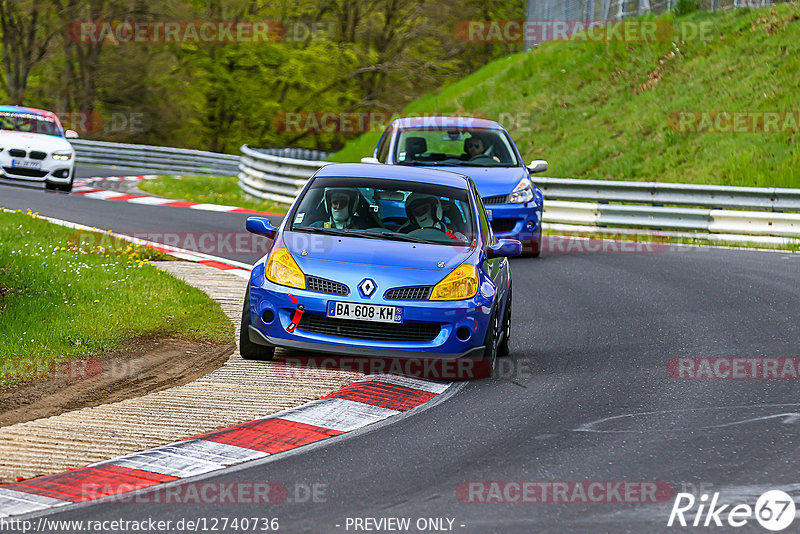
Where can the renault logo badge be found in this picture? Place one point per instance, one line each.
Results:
(367, 287)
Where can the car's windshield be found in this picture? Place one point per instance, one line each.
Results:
(392, 210)
(29, 123)
(472, 147)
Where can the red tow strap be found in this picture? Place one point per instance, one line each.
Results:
(298, 313)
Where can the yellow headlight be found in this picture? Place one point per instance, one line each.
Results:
(460, 284)
(283, 270)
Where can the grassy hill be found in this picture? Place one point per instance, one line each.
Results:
(606, 110)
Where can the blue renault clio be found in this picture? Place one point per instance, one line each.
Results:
(483, 150)
(381, 261)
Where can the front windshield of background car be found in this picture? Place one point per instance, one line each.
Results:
(29, 123)
(392, 210)
(469, 147)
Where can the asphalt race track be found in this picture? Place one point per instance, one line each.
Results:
(584, 396)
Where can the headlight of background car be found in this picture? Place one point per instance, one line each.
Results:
(283, 270)
(62, 155)
(460, 284)
(522, 193)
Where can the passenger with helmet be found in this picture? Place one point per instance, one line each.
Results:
(340, 206)
(425, 211)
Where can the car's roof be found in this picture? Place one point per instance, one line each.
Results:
(444, 122)
(395, 172)
(33, 111)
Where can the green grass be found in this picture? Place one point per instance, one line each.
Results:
(593, 110)
(208, 189)
(67, 294)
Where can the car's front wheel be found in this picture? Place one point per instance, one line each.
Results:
(503, 349)
(248, 349)
(491, 342)
(66, 188)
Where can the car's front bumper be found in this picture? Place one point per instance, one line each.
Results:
(450, 317)
(516, 221)
(53, 171)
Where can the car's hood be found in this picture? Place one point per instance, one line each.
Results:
(492, 181)
(32, 141)
(418, 263)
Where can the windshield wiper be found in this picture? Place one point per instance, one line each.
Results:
(405, 237)
(337, 231)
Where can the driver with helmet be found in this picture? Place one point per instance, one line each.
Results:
(340, 205)
(425, 211)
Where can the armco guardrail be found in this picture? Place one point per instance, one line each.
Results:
(711, 196)
(273, 177)
(597, 203)
(154, 158)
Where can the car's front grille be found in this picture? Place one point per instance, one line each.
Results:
(320, 285)
(503, 225)
(17, 153)
(22, 171)
(408, 293)
(496, 199)
(37, 155)
(370, 330)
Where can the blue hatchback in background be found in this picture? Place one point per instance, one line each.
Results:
(483, 150)
(382, 261)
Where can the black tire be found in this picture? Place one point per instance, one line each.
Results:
(502, 349)
(535, 252)
(64, 188)
(248, 349)
(490, 342)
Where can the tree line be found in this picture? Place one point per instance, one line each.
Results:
(215, 74)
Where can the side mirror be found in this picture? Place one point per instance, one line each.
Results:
(369, 159)
(71, 134)
(261, 226)
(537, 165)
(504, 248)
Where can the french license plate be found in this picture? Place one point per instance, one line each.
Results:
(27, 164)
(365, 312)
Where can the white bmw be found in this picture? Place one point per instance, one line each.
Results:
(34, 146)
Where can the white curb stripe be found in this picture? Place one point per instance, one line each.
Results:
(211, 451)
(337, 414)
(413, 383)
(212, 207)
(165, 462)
(104, 195)
(155, 201)
(16, 502)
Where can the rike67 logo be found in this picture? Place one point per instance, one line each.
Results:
(774, 510)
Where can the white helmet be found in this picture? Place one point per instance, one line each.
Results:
(342, 213)
(425, 210)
